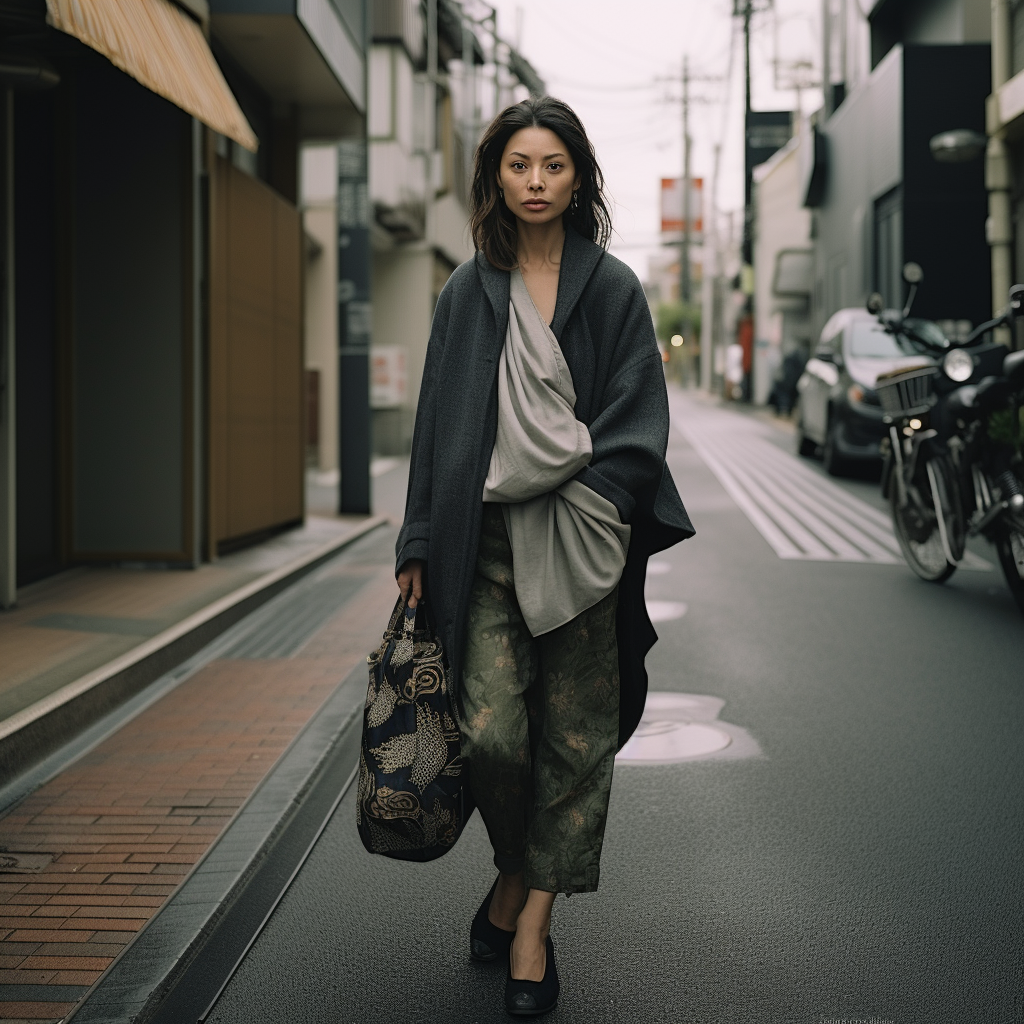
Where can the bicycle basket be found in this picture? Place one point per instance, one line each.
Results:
(906, 392)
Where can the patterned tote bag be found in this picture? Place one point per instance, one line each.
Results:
(412, 804)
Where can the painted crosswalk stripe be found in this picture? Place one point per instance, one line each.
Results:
(783, 546)
(847, 534)
(801, 514)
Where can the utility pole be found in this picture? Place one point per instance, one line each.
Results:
(748, 240)
(494, 57)
(8, 378)
(684, 257)
(430, 93)
(998, 176)
(685, 242)
(354, 328)
(709, 283)
(745, 332)
(470, 116)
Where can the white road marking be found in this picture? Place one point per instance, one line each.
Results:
(679, 727)
(665, 611)
(799, 513)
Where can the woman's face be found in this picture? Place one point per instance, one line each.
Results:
(537, 175)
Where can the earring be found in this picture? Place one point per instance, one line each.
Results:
(575, 200)
(501, 192)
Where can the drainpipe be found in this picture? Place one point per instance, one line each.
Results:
(998, 179)
(8, 480)
(430, 97)
(826, 56)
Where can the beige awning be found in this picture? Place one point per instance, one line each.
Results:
(161, 47)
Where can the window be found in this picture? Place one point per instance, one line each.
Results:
(836, 284)
(1017, 36)
(889, 247)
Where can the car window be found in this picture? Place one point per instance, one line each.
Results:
(867, 339)
(925, 330)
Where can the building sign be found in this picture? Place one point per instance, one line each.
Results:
(672, 205)
(767, 132)
(388, 381)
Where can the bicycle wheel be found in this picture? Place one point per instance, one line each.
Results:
(917, 525)
(1010, 546)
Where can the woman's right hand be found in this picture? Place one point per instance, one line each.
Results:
(410, 581)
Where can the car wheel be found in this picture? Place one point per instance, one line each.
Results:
(834, 463)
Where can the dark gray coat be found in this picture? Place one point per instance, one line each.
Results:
(604, 328)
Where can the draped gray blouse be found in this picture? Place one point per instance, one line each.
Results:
(568, 544)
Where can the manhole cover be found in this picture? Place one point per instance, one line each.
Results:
(23, 863)
(684, 727)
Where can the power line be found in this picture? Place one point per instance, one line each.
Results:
(599, 87)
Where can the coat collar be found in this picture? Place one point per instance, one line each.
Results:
(580, 258)
(497, 284)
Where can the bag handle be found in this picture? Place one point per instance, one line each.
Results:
(412, 619)
(404, 619)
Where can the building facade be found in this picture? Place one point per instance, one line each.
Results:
(879, 195)
(153, 360)
(437, 73)
(783, 267)
(1005, 154)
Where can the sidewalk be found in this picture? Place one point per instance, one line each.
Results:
(79, 628)
(764, 413)
(113, 835)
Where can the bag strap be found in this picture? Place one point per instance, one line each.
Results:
(409, 620)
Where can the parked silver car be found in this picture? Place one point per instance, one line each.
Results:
(838, 412)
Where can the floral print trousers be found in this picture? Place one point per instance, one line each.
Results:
(540, 726)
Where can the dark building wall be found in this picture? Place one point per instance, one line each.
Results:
(928, 22)
(276, 126)
(887, 200)
(256, 359)
(127, 178)
(945, 205)
(35, 186)
(864, 163)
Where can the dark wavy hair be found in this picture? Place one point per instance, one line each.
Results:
(492, 222)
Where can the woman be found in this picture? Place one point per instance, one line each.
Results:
(537, 491)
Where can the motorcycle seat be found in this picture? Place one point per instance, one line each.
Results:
(1013, 368)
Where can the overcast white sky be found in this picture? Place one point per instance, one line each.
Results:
(605, 58)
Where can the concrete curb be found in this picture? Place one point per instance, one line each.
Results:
(133, 986)
(31, 734)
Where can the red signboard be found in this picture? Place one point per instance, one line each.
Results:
(672, 205)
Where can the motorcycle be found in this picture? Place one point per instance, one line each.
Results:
(952, 466)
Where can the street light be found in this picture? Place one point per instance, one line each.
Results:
(677, 340)
(957, 146)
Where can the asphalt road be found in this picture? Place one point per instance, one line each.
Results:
(864, 867)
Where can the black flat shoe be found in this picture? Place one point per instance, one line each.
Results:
(532, 998)
(486, 940)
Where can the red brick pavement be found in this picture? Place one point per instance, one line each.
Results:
(126, 823)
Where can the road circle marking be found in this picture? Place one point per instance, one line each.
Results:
(665, 611)
(659, 742)
(678, 727)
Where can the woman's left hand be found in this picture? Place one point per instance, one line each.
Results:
(410, 581)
